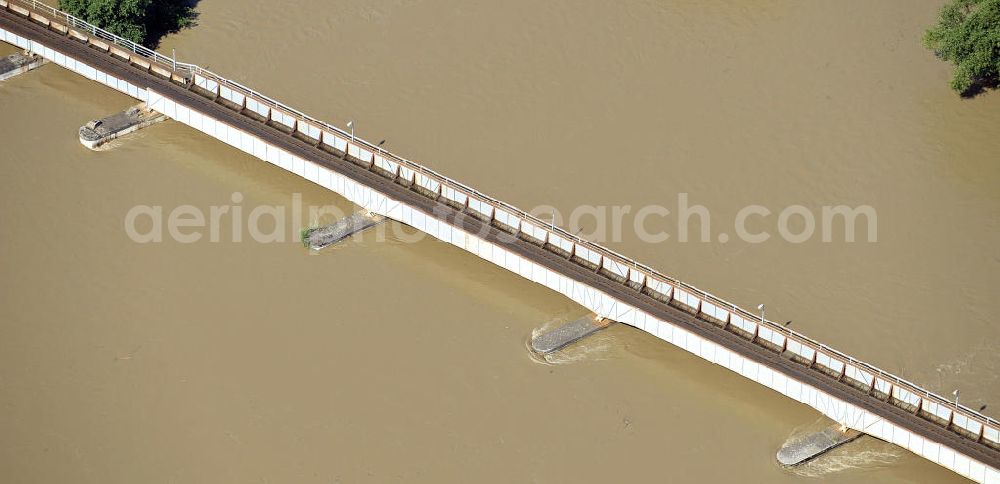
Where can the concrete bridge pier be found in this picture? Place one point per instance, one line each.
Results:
(17, 64)
(320, 237)
(814, 445)
(569, 333)
(99, 131)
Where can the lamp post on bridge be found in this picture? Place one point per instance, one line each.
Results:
(761, 307)
(350, 124)
(956, 392)
(552, 221)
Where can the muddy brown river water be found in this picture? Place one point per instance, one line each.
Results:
(384, 359)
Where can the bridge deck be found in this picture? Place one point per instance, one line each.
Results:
(549, 259)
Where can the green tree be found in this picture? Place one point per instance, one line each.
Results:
(968, 35)
(141, 21)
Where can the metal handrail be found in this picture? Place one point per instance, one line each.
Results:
(604, 252)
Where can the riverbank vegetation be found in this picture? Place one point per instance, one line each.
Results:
(968, 35)
(141, 21)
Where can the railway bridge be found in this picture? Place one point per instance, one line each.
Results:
(854, 393)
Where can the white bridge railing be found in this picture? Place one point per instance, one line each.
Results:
(696, 301)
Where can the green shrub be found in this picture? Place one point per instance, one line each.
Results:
(968, 35)
(141, 21)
